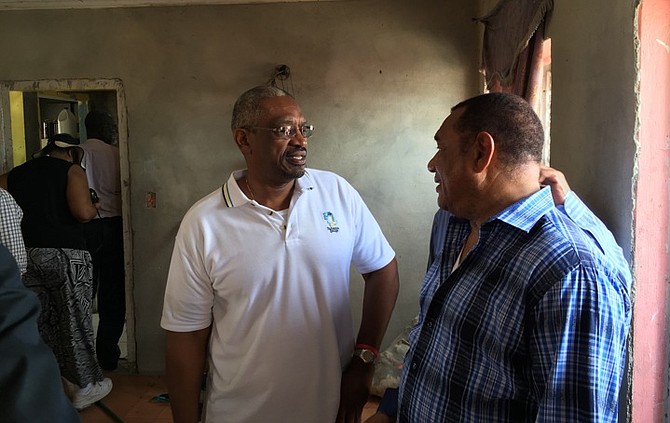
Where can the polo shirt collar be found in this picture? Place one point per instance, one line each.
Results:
(234, 197)
(303, 184)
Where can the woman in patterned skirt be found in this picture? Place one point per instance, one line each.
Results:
(53, 192)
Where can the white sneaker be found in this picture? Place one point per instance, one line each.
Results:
(92, 393)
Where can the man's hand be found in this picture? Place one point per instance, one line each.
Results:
(557, 182)
(355, 391)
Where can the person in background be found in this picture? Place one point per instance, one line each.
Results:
(53, 193)
(29, 378)
(29, 373)
(525, 308)
(104, 234)
(259, 284)
(10, 229)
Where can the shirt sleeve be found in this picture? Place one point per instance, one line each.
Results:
(575, 209)
(578, 348)
(10, 229)
(437, 235)
(189, 296)
(371, 250)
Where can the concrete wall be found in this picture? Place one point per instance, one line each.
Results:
(594, 127)
(376, 77)
(594, 105)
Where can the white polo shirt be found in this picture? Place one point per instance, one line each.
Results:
(276, 287)
(101, 161)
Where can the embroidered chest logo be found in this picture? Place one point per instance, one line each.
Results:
(330, 220)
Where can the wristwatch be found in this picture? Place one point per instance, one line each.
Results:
(367, 356)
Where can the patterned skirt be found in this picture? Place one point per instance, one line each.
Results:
(62, 279)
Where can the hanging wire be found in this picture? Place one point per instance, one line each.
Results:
(281, 78)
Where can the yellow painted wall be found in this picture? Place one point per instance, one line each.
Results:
(18, 128)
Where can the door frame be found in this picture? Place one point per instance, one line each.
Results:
(6, 153)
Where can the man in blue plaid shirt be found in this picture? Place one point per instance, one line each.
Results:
(525, 308)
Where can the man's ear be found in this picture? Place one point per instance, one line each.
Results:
(241, 139)
(483, 151)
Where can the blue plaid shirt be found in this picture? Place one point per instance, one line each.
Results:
(531, 326)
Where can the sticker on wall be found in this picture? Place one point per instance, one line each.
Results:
(151, 200)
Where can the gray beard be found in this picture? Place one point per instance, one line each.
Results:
(295, 175)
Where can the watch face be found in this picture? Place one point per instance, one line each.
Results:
(366, 355)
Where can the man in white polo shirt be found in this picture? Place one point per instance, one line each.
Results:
(258, 286)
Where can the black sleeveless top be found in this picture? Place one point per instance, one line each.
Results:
(39, 187)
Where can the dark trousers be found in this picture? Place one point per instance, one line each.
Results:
(104, 240)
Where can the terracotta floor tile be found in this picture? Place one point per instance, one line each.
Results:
(130, 400)
(131, 396)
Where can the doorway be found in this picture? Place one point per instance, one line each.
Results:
(23, 130)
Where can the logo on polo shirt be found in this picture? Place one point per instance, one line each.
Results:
(330, 220)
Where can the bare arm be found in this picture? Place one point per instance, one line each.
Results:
(185, 366)
(381, 291)
(78, 196)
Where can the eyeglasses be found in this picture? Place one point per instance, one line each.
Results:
(289, 131)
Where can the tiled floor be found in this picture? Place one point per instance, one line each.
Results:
(131, 401)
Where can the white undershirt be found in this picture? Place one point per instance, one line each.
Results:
(458, 260)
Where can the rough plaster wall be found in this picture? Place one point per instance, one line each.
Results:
(594, 106)
(376, 77)
(485, 6)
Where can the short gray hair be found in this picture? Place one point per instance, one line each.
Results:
(247, 111)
